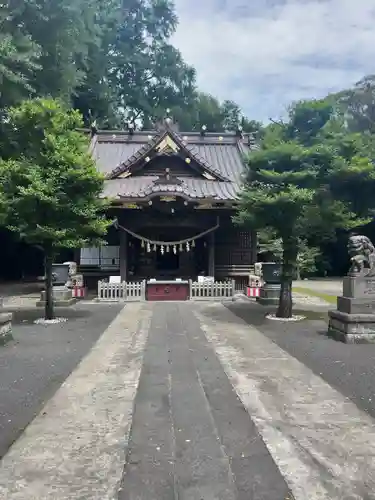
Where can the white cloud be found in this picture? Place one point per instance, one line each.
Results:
(272, 52)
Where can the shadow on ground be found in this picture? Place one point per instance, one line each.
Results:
(27, 315)
(20, 288)
(255, 314)
(349, 368)
(38, 360)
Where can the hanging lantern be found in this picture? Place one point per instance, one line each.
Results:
(162, 249)
(148, 247)
(174, 249)
(181, 249)
(187, 246)
(193, 244)
(167, 248)
(142, 244)
(155, 247)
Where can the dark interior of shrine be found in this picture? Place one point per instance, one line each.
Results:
(170, 260)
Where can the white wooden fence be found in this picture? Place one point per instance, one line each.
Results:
(136, 291)
(126, 290)
(212, 290)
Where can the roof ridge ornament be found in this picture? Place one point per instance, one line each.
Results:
(170, 139)
(166, 123)
(131, 127)
(168, 118)
(239, 131)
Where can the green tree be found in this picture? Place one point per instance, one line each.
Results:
(307, 260)
(269, 245)
(50, 183)
(18, 62)
(62, 29)
(272, 247)
(308, 119)
(97, 97)
(358, 105)
(204, 109)
(289, 189)
(232, 115)
(148, 73)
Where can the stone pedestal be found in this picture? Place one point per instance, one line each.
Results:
(5, 327)
(62, 296)
(269, 293)
(353, 321)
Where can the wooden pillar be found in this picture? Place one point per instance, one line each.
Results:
(77, 256)
(211, 254)
(123, 255)
(254, 246)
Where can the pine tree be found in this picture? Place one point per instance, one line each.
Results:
(297, 190)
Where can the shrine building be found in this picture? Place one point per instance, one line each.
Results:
(173, 197)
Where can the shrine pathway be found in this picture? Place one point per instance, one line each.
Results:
(187, 401)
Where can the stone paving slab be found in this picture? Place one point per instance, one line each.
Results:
(188, 401)
(348, 368)
(191, 437)
(322, 443)
(75, 448)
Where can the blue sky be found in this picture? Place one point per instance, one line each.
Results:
(264, 54)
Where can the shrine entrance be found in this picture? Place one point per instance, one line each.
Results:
(167, 262)
(162, 260)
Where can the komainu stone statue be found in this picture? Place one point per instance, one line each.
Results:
(353, 321)
(362, 255)
(72, 273)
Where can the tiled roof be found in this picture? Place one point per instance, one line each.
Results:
(220, 153)
(142, 187)
(147, 148)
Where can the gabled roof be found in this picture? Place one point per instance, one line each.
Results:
(221, 156)
(152, 147)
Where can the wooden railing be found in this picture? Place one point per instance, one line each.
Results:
(212, 290)
(117, 292)
(136, 291)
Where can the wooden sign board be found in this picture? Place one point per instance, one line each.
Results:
(132, 206)
(167, 199)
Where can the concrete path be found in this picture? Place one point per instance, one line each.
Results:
(187, 401)
(191, 437)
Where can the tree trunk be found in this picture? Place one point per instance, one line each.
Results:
(290, 252)
(298, 271)
(49, 309)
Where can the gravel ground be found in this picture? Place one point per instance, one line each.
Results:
(40, 358)
(348, 368)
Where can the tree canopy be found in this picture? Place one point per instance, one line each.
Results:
(50, 185)
(110, 59)
(308, 179)
(19, 65)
